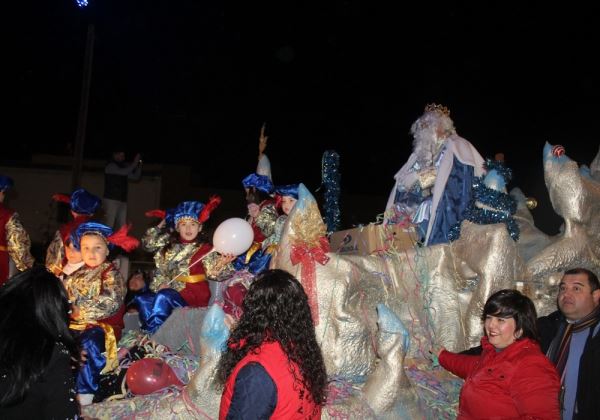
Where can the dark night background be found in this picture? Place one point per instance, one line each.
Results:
(192, 81)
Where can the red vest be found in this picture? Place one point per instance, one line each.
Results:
(197, 295)
(5, 215)
(293, 399)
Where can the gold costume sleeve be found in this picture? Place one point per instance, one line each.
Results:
(18, 243)
(266, 219)
(274, 239)
(215, 269)
(154, 239)
(55, 255)
(172, 262)
(98, 292)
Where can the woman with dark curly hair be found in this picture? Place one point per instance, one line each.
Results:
(273, 366)
(37, 351)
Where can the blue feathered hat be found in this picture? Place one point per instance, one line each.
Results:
(290, 190)
(119, 238)
(90, 227)
(187, 210)
(194, 210)
(81, 201)
(260, 182)
(84, 202)
(6, 183)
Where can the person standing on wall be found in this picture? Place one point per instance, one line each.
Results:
(117, 174)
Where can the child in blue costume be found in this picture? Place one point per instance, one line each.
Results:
(233, 296)
(262, 215)
(183, 263)
(96, 292)
(83, 205)
(285, 199)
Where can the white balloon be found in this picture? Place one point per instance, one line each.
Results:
(233, 236)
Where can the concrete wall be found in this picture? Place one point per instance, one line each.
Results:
(41, 216)
(161, 186)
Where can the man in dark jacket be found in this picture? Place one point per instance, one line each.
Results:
(117, 174)
(570, 339)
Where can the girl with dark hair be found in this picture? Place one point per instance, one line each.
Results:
(137, 283)
(183, 263)
(286, 197)
(258, 258)
(511, 378)
(261, 206)
(37, 350)
(262, 215)
(62, 258)
(273, 366)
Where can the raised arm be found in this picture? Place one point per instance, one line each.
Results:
(114, 169)
(155, 238)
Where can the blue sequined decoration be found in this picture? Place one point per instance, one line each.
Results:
(331, 181)
(499, 167)
(493, 198)
(505, 206)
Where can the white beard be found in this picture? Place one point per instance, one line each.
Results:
(426, 146)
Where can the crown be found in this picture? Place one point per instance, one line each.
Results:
(437, 108)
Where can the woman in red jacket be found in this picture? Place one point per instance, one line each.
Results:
(511, 379)
(273, 367)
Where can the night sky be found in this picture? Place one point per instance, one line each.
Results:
(199, 78)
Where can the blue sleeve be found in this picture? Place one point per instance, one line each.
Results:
(254, 394)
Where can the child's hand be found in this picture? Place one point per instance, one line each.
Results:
(435, 352)
(82, 358)
(227, 258)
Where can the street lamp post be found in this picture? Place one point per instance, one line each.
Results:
(84, 103)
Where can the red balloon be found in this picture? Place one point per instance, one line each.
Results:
(149, 375)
